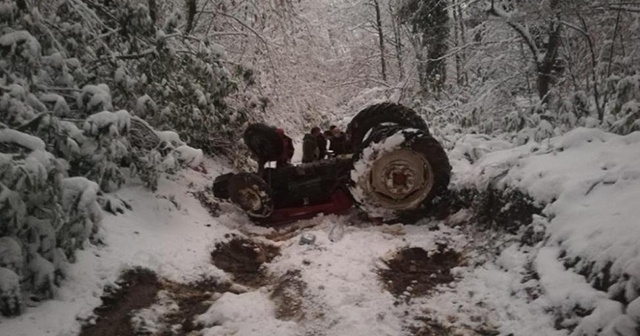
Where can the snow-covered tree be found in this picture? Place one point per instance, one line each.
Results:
(429, 20)
(70, 125)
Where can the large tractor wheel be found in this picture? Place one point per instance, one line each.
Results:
(380, 114)
(251, 194)
(264, 142)
(221, 185)
(397, 172)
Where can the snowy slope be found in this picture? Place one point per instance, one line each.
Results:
(590, 182)
(174, 238)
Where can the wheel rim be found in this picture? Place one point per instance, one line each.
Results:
(400, 179)
(249, 199)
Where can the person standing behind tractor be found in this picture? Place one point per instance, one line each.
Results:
(327, 135)
(311, 146)
(287, 152)
(322, 144)
(338, 141)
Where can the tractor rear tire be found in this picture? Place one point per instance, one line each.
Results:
(397, 172)
(381, 114)
(221, 186)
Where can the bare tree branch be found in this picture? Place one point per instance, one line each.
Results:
(522, 31)
(262, 39)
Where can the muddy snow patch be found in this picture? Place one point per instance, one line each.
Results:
(140, 303)
(415, 272)
(136, 289)
(288, 296)
(426, 326)
(187, 301)
(244, 259)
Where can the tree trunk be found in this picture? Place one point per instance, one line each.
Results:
(397, 39)
(436, 40)
(545, 66)
(192, 8)
(423, 80)
(153, 11)
(463, 39)
(383, 63)
(594, 63)
(457, 44)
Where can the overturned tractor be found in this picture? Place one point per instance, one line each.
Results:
(397, 168)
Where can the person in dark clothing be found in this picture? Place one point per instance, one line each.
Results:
(327, 137)
(338, 140)
(322, 144)
(310, 146)
(288, 150)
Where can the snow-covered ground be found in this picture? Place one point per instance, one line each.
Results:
(168, 232)
(590, 180)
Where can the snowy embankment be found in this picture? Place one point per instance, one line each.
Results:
(589, 181)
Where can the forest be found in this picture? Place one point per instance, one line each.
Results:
(97, 95)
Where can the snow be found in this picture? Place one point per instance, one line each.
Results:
(44, 234)
(21, 36)
(55, 60)
(190, 156)
(9, 281)
(60, 106)
(343, 288)
(633, 310)
(31, 142)
(564, 288)
(38, 165)
(606, 311)
(231, 312)
(10, 254)
(97, 96)
(474, 146)
(174, 242)
(144, 105)
(494, 295)
(42, 271)
(170, 137)
(119, 76)
(148, 320)
(588, 180)
(116, 122)
(218, 50)
(173, 235)
(79, 191)
(17, 91)
(9, 291)
(621, 325)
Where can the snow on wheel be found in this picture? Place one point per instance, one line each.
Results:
(385, 113)
(251, 194)
(398, 171)
(264, 142)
